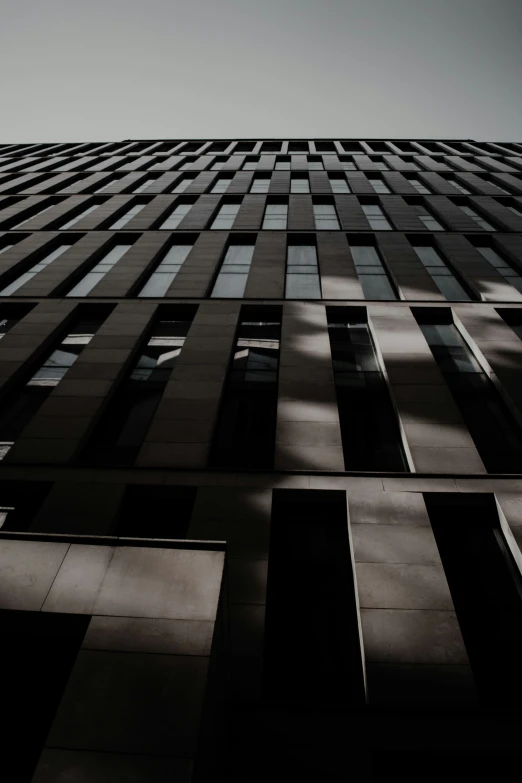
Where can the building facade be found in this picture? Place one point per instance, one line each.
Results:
(261, 459)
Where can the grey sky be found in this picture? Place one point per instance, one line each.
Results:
(74, 70)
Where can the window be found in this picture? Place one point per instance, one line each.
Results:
(315, 164)
(325, 217)
(177, 215)
(36, 214)
(233, 275)
(107, 185)
(34, 270)
(218, 164)
(245, 432)
(378, 184)
(10, 314)
(299, 184)
(371, 273)
(122, 427)
(310, 576)
(513, 318)
(226, 216)
(260, 185)
(155, 511)
(339, 184)
(276, 216)
(21, 405)
(183, 184)
(347, 164)
(298, 146)
(4, 248)
(427, 219)
(515, 211)
(302, 272)
(486, 589)
(379, 164)
(162, 277)
(127, 216)
(477, 218)
(221, 185)
(282, 164)
(502, 266)
(456, 184)
(486, 415)
(419, 186)
(369, 428)
(144, 185)
(93, 277)
(74, 220)
(441, 274)
(245, 146)
(250, 164)
(375, 217)
(187, 164)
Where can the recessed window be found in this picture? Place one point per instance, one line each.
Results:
(260, 185)
(339, 184)
(121, 430)
(282, 164)
(500, 264)
(218, 164)
(250, 164)
(155, 511)
(144, 185)
(315, 164)
(183, 184)
(371, 272)
(419, 186)
(298, 147)
(103, 266)
(177, 215)
(221, 185)
(376, 217)
(276, 216)
(302, 272)
(41, 212)
(127, 216)
(299, 184)
(245, 432)
(369, 428)
(347, 164)
(441, 274)
(34, 270)
(479, 220)
(233, 275)
(74, 220)
(10, 314)
(458, 185)
(325, 217)
(166, 271)
(226, 215)
(378, 184)
(379, 164)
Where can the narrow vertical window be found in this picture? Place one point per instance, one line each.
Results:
(302, 271)
(183, 184)
(371, 272)
(34, 270)
(260, 185)
(311, 602)
(221, 185)
(376, 217)
(315, 163)
(419, 186)
(245, 431)
(276, 216)
(128, 215)
(369, 427)
(299, 184)
(441, 273)
(339, 184)
(20, 405)
(501, 265)
(457, 184)
(250, 163)
(347, 164)
(490, 423)
(87, 283)
(226, 215)
(233, 275)
(10, 314)
(144, 185)
(479, 220)
(513, 318)
(325, 217)
(166, 271)
(282, 164)
(426, 218)
(486, 589)
(177, 215)
(77, 218)
(36, 214)
(122, 427)
(378, 184)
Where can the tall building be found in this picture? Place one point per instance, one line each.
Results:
(261, 460)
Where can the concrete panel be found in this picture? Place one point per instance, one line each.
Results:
(76, 766)
(394, 544)
(131, 634)
(28, 569)
(387, 508)
(400, 586)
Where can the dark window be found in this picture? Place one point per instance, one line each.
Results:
(440, 271)
(20, 405)
(10, 314)
(38, 652)
(312, 647)
(486, 588)
(271, 146)
(123, 425)
(245, 432)
(513, 318)
(325, 146)
(499, 262)
(245, 146)
(351, 146)
(371, 271)
(369, 428)
(298, 146)
(20, 501)
(155, 511)
(490, 423)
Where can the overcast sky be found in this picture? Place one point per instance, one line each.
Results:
(78, 70)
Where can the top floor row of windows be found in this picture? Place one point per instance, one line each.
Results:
(270, 147)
